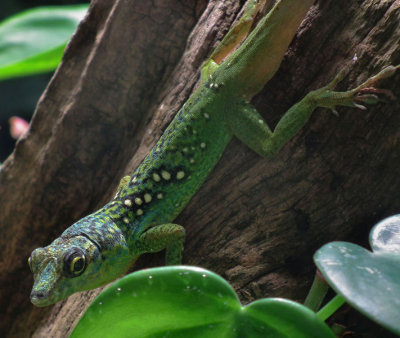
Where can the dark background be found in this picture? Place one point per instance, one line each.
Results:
(18, 97)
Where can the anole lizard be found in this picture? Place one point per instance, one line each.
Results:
(102, 246)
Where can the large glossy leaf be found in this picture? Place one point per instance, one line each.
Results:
(33, 41)
(385, 236)
(369, 281)
(191, 302)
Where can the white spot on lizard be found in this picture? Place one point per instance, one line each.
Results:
(128, 203)
(147, 198)
(165, 175)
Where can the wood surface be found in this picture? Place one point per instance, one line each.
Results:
(257, 222)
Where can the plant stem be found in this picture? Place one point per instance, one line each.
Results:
(330, 308)
(317, 293)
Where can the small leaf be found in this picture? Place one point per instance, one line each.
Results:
(385, 236)
(184, 301)
(33, 41)
(368, 281)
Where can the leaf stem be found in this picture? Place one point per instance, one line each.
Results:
(330, 308)
(317, 292)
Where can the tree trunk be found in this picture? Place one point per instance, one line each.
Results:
(257, 222)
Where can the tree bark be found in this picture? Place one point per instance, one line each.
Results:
(257, 222)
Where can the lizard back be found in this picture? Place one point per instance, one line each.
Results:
(176, 166)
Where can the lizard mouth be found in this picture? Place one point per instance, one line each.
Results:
(42, 298)
(38, 298)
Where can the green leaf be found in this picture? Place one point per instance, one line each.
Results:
(184, 301)
(33, 41)
(385, 236)
(369, 281)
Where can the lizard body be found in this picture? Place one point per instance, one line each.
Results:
(102, 246)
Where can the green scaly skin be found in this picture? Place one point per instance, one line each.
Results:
(102, 246)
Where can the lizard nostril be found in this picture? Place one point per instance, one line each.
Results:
(37, 295)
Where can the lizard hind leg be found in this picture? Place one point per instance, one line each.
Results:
(233, 38)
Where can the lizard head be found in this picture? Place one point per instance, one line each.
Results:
(65, 266)
(90, 253)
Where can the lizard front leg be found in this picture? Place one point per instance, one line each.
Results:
(122, 183)
(249, 126)
(165, 236)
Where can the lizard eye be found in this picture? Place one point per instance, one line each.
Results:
(75, 263)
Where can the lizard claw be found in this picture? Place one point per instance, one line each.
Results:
(374, 91)
(370, 96)
(359, 106)
(369, 99)
(335, 112)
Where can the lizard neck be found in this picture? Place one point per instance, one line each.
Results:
(100, 229)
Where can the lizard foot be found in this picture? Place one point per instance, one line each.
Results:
(358, 97)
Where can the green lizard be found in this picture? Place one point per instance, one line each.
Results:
(102, 246)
